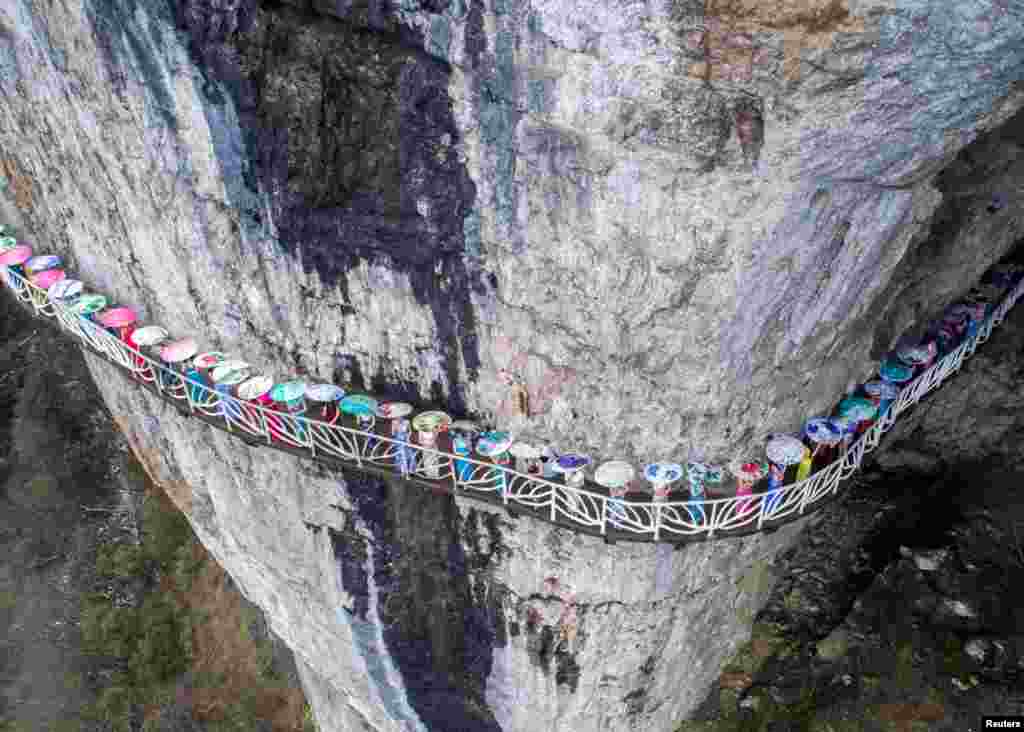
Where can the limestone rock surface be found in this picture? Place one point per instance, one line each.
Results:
(674, 223)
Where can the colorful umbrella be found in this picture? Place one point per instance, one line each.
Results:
(493, 443)
(150, 335)
(896, 373)
(464, 426)
(255, 387)
(663, 472)
(324, 393)
(749, 471)
(857, 408)
(919, 355)
(64, 289)
(882, 390)
(178, 351)
(89, 304)
(117, 318)
(229, 377)
(785, 450)
(393, 410)
(209, 360)
(570, 462)
(221, 373)
(524, 451)
(17, 255)
(822, 431)
(42, 262)
(7, 242)
(47, 278)
(431, 422)
(289, 391)
(614, 474)
(359, 404)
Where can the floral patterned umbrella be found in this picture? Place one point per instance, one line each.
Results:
(570, 462)
(255, 387)
(288, 392)
(324, 393)
(16, 255)
(117, 318)
(42, 262)
(748, 471)
(663, 472)
(919, 355)
(785, 450)
(431, 422)
(227, 372)
(822, 431)
(614, 474)
(896, 373)
(394, 410)
(359, 405)
(209, 360)
(491, 444)
(858, 408)
(150, 335)
(89, 304)
(178, 351)
(47, 278)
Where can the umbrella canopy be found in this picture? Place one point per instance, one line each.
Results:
(464, 426)
(117, 318)
(896, 373)
(524, 451)
(7, 242)
(178, 351)
(324, 393)
(663, 472)
(289, 391)
(255, 387)
(209, 360)
(785, 450)
(150, 335)
(846, 424)
(858, 408)
(16, 255)
(614, 474)
(47, 278)
(570, 462)
(222, 372)
(918, 355)
(822, 431)
(748, 471)
(394, 410)
(882, 390)
(42, 261)
(90, 303)
(704, 472)
(431, 422)
(230, 377)
(493, 443)
(359, 405)
(64, 289)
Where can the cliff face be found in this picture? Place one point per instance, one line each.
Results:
(675, 223)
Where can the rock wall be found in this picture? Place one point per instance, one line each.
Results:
(714, 217)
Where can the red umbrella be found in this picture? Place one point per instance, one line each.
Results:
(117, 318)
(47, 277)
(18, 255)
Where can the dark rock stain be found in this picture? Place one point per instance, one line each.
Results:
(440, 627)
(349, 131)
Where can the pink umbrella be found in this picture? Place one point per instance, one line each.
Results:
(178, 351)
(117, 318)
(19, 255)
(47, 277)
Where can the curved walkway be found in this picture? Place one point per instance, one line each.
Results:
(588, 510)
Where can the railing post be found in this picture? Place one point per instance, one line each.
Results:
(762, 509)
(657, 522)
(604, 515)
(554, 490)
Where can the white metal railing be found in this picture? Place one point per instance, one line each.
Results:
(553, 501)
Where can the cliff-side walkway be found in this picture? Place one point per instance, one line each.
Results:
(587, 510)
